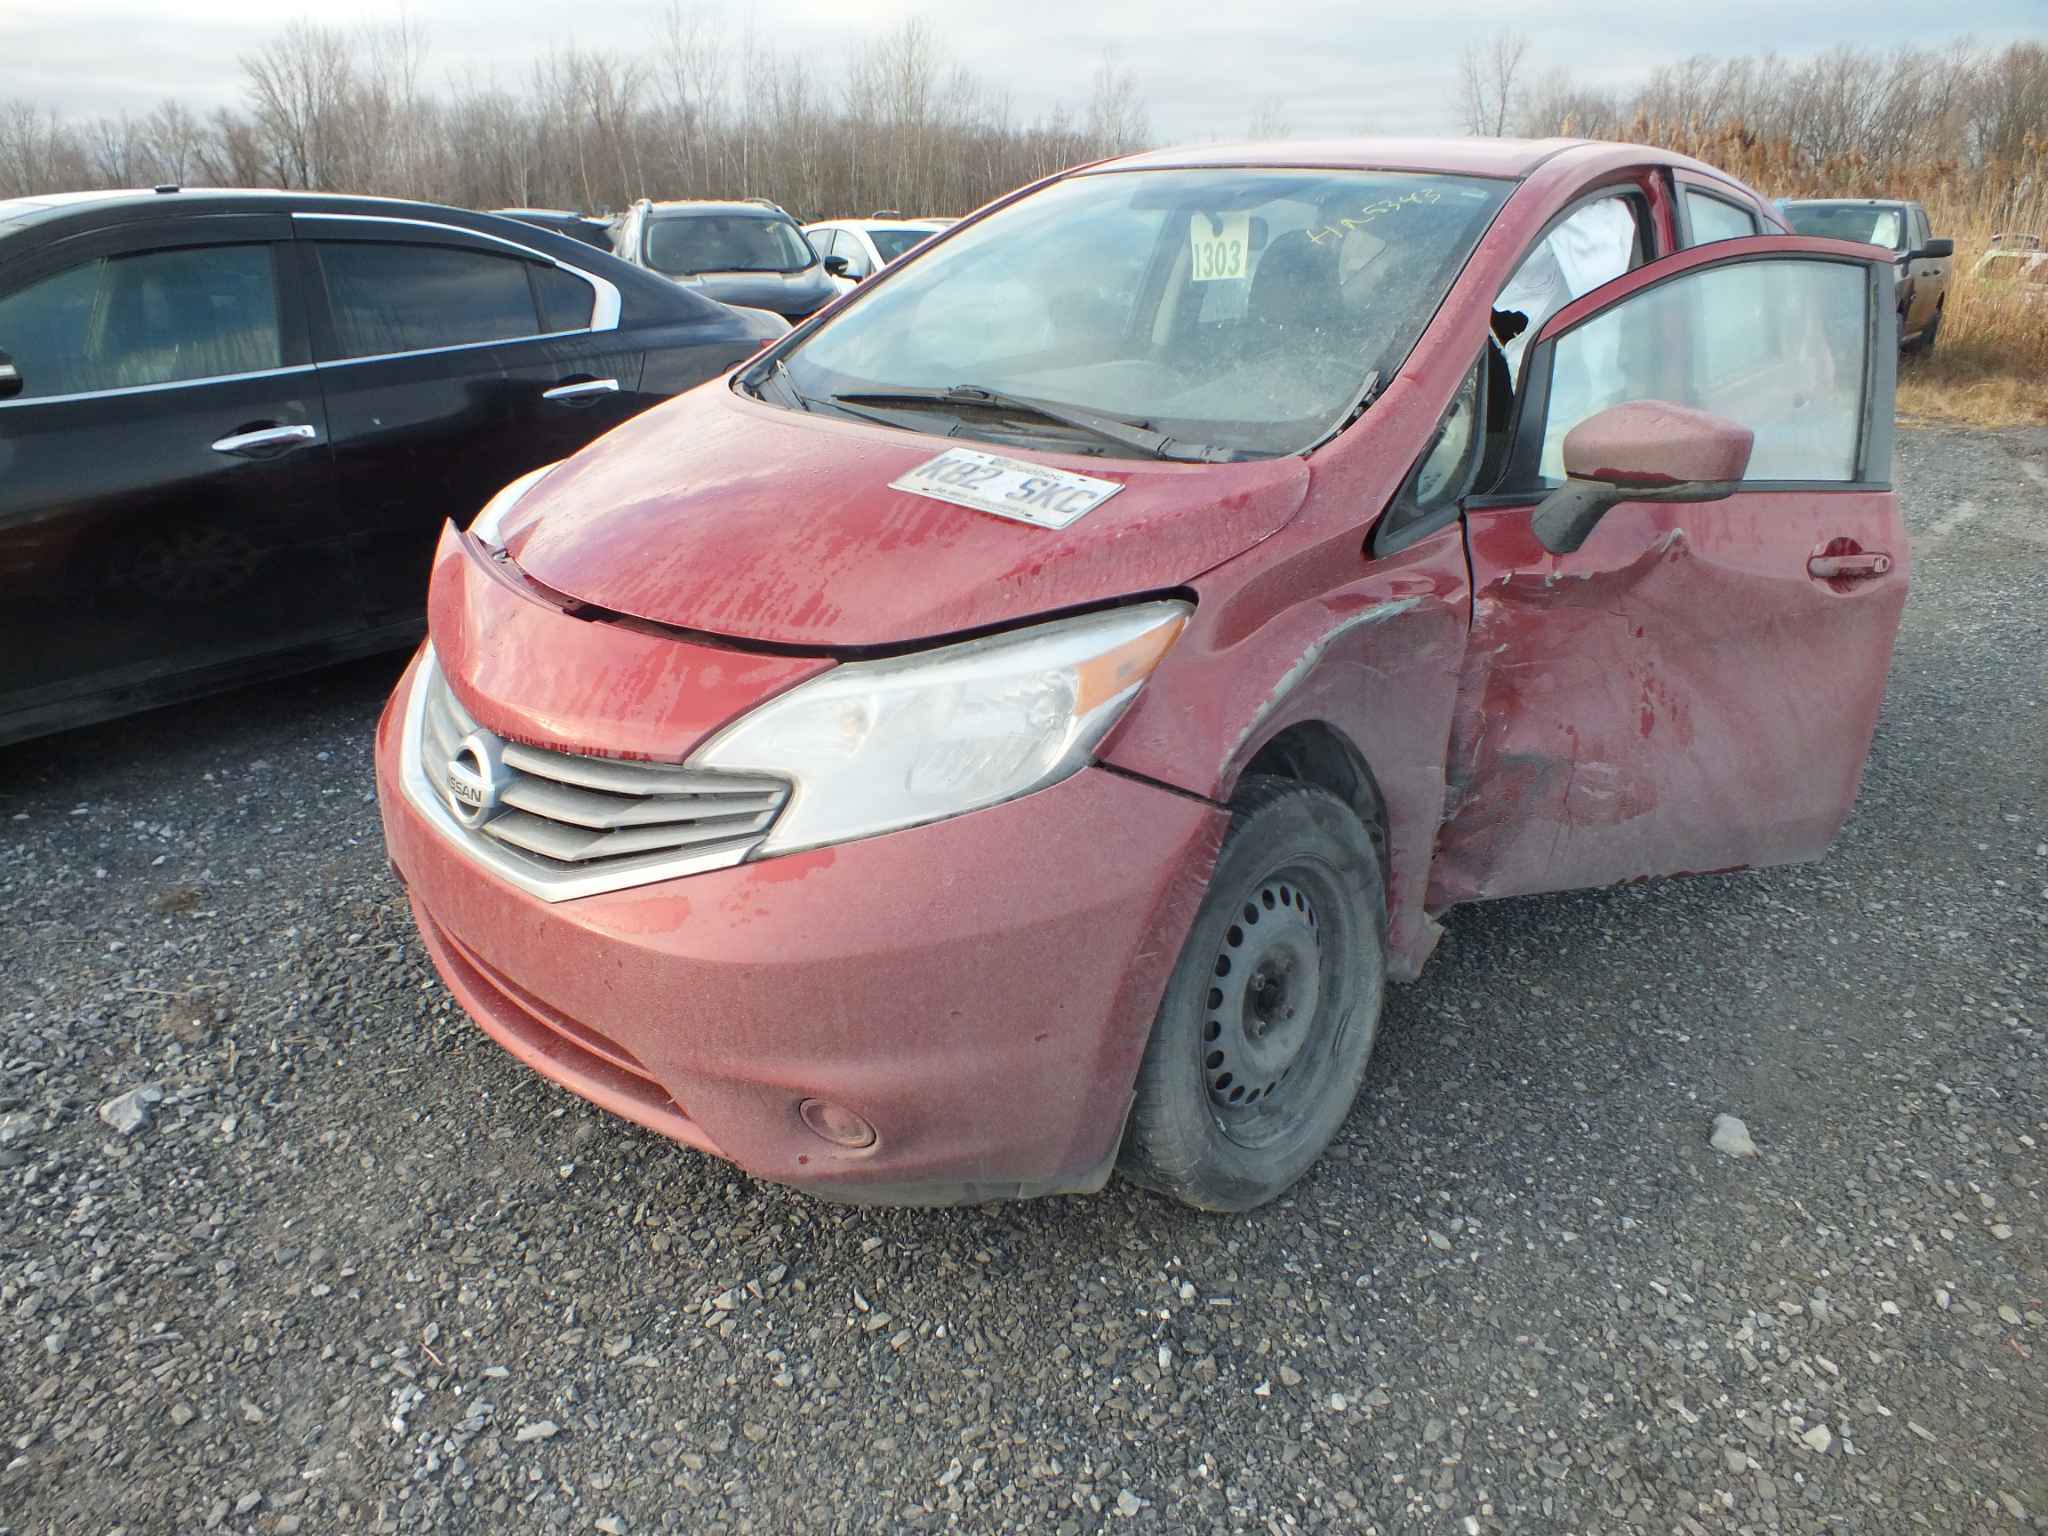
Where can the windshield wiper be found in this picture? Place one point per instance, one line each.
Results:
(1108, 429)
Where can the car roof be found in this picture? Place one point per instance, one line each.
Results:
(20, 212)
(1844, 202)
(719, 205)
(1459, 156)
(882, 224)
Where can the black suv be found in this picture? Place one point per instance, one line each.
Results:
(748, 252)
(232, 424)
(587, 227)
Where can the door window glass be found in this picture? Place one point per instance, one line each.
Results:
(408, 298)
(1597, 244)
(159, 317)
(1714, 218)
(1776, 345)
(1441, 477)
(566, 301)
(857, 263)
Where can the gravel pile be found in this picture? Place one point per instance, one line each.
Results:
(287, 1245)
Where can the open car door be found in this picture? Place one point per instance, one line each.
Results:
(1694, 688)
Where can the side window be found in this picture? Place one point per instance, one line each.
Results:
(409, 298)
(857, 263)
(160, 317)
(1777, 345)
(825, 242)
(566, 301)
(1597, 243)
(1441, 478)
(1715, 218)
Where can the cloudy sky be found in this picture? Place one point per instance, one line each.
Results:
(1333, 66)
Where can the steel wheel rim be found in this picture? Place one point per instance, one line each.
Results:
(1272, 1008)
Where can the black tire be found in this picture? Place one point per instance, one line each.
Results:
(1923, 344)
(1269, 1017)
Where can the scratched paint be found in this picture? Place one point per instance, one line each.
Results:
(739, 519)
(535, 674)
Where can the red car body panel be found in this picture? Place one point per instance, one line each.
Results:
(1001, 968)
(533, 673)
(721, 514)
(981, 989)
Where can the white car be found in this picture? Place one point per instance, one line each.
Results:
(865, 246)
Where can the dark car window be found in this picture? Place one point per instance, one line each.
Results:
(1865, 222)
(566, 300)
(726, 242)
(1715, 218)
(894, 242)
(408, 298)
(160, 317)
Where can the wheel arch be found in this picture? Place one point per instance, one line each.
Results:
(1314, 751)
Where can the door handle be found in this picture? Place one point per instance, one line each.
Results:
(582, 389)
(253, 444)
(1859, 567)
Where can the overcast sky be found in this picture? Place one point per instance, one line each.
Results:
(1336, 66)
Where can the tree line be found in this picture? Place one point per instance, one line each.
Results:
(707, 109)
(1887, 112)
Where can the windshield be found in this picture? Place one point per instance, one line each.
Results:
(1847, 221)
(681, 243)
(894, 242)
(1242, 309)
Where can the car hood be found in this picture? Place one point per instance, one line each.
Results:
(735, 518)
(785, 293)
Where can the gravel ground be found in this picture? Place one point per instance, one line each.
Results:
(358, 1271)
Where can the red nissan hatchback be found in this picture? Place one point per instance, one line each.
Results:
(1014, 727)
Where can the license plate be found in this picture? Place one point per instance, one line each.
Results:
(1219, 247)
(1012, 488)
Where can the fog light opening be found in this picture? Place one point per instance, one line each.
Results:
(836, 1124)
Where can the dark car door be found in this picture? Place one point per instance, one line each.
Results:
(1695, 688)
(451, 362)
(166, 517)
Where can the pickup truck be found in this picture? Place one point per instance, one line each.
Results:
(1922, 262)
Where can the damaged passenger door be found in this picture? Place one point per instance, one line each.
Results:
(1694, 688)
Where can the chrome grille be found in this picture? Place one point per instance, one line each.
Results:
(562, 825)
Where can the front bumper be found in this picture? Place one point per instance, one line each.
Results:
(979, 990)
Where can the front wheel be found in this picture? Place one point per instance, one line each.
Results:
(1268, 1020)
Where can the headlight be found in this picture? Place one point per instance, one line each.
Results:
(485, 527)
(876, 745)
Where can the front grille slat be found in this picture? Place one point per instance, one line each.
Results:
(620, 776)
(595, 823)
(574, 845)
(607, 813)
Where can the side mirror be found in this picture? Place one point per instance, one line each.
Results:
(10, 378)
(1646, 450)
(1934, 250)
(836, 265)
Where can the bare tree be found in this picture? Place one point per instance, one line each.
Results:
(1117, 123)
(1269, 119)
(299, 89)
(1489, 77)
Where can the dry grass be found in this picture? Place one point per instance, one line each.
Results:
(1990, 365)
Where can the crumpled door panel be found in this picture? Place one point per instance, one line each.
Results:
(1679, 696)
